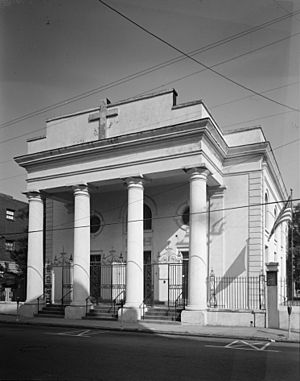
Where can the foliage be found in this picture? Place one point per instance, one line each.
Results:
(293, 261)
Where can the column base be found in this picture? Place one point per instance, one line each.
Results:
(194, 317)
(129, 314)
(75, 312)
(29, 309)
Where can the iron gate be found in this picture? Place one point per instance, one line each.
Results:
(58, 286)
(166, 283)
(107, 281)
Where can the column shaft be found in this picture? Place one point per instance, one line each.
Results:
(81, 277)
(35, 278)
(135, 243)
(197, 290)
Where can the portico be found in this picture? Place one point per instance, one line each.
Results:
(119, 160)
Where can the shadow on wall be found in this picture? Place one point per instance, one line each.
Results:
(237, 268)
(216, 229)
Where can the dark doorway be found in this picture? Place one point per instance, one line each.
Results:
(95, 276)
(185, 269)
(148, 284)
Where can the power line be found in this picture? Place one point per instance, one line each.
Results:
(147, 70)
(195, 60)
(156, 218)
(224, 62)
(189, 75)
(274, 149)
(255, 119)
(249, 96)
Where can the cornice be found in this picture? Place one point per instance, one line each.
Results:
(275, 175)
(116, 144)
(113, 166)
(246, 150)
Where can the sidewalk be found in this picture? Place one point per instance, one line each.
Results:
(176, 328)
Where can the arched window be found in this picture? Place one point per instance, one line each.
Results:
(147, 218)
(186, 216)
(96, 223)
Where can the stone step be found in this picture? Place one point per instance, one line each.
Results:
(157, 312)
(55, 312)
(46, 315)
(99, 317)
(54, 308)
(172, 322)
(158, 317)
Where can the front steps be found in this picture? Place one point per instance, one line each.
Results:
(102, 312)
(162, 314)
(105, 311)
(52, 311)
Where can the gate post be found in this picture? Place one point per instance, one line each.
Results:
(272, 295)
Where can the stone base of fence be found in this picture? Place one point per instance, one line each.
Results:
(239, 318)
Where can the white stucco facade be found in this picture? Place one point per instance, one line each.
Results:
(112, 160)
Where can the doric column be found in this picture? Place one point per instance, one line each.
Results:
(35, 279)
(135, 242)
(81, 261)
(197, 290)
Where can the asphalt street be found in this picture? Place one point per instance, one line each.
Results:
(53, 353)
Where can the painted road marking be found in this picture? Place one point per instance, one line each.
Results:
(77, 333)
(246, 346)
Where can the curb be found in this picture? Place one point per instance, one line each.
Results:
(151, 332)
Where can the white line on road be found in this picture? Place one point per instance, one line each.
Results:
(77, 333)
(246, 346)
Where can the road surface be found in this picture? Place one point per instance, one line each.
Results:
(52, 353)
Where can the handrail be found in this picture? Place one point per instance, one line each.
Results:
(122, 301)
(143, 308)
(176, 304)
(42, 296)
(86, 303)
(65, 295)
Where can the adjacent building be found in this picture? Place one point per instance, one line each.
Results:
(149, 201)
(13, 234)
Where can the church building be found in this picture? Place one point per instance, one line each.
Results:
(146, 202)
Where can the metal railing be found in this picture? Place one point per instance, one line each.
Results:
(289, 293)
(236, 293)
(180, 303)
(64, 300)
(142, 306)
(39, 298)
(87, 300)
(121, 301)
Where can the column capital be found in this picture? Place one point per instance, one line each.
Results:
(81, 189)
(34, 196)
(134, 181)
(272, 266)
(200, 172)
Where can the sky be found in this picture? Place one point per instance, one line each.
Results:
(62, 56)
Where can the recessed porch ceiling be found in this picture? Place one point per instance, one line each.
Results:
(180, 176)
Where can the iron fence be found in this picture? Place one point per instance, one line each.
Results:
(289, 292)
(236, 293)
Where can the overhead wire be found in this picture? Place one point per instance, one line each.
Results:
(148, 70)
(157, 217)
(172, 46)
(184, 77)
